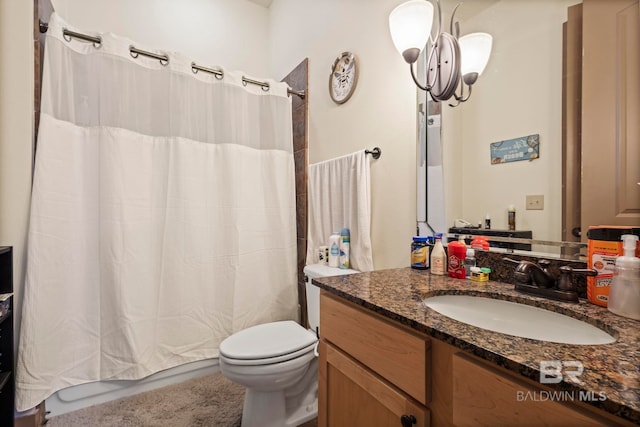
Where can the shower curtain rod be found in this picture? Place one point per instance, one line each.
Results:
(164, 59)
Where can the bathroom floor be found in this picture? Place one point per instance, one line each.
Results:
(205, 401)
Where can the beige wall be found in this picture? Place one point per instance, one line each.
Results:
(228, 33)
(381, 112)
(16, 115)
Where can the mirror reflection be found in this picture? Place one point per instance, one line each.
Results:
(519, 95)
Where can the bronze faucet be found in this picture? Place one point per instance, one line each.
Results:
(536, 279)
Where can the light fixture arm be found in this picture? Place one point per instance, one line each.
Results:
(429, 84)
(455, 33)
(468, 79)
(415, 79)
(460, 99)
(431, 38)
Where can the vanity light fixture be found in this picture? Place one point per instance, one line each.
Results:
(452, 61)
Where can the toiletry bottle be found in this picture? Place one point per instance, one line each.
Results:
(511, 216)
(419, 253)
(487, 222)
(438, 258)
(344, 248)
(334, 250)
(624, 295)
(457, 253)
(469, 261)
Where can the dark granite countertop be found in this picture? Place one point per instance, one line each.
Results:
(611, 370)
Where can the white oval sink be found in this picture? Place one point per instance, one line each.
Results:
(517, 319)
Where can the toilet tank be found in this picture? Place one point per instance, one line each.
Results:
(314, 271)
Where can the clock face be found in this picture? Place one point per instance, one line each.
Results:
(344, 76)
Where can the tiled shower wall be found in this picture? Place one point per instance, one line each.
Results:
(297, 79)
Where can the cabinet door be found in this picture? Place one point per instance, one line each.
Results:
(610, 111)
(483, 396)
(392, 352)
(351, 395)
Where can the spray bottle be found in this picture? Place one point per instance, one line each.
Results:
(624, 296)
(345, 238)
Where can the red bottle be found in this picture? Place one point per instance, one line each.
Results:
(457, 252)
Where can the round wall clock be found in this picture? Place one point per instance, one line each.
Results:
(343, 78)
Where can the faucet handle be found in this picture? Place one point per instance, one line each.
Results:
(544, 263)
(566, 276)
(520, 274)
(586, 271)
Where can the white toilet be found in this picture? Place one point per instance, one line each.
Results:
(277, 363)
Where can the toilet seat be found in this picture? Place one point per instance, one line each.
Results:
(267, 343)
(269, 360)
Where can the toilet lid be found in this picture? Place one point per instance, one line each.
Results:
(267, 340)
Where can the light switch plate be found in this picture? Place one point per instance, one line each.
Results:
(535, 202)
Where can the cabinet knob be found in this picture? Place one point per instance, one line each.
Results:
(408, 420)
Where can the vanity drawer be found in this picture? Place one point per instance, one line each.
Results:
(396, 354)
(479, 389)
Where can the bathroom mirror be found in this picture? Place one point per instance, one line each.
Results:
(519, 94)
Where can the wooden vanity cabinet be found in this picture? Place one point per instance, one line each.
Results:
(373, 371)
(483, 395)
(353, 395)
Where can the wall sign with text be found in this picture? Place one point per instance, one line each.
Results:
(517, 149)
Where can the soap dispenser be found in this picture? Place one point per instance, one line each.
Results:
(624, 296)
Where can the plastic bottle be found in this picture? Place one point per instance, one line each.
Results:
(438, 258)
(419, 253)
(345, 239)
(334, 250)
(604, 246)
(457, 255)
(469, 261)
(511, 217)
(624, 296)
(480, 242)
(487, 222)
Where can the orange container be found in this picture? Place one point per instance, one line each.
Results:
(480, 242)
(603, 247)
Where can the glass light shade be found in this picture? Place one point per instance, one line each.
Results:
(475, 49)
(410, 25)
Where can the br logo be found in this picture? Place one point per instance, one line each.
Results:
(554, 371)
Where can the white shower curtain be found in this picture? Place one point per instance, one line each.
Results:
(162, 217)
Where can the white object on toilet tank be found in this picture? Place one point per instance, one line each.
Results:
(314, 271)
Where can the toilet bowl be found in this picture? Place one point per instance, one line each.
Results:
(277, 364)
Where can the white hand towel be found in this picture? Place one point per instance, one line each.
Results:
(340, 196)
